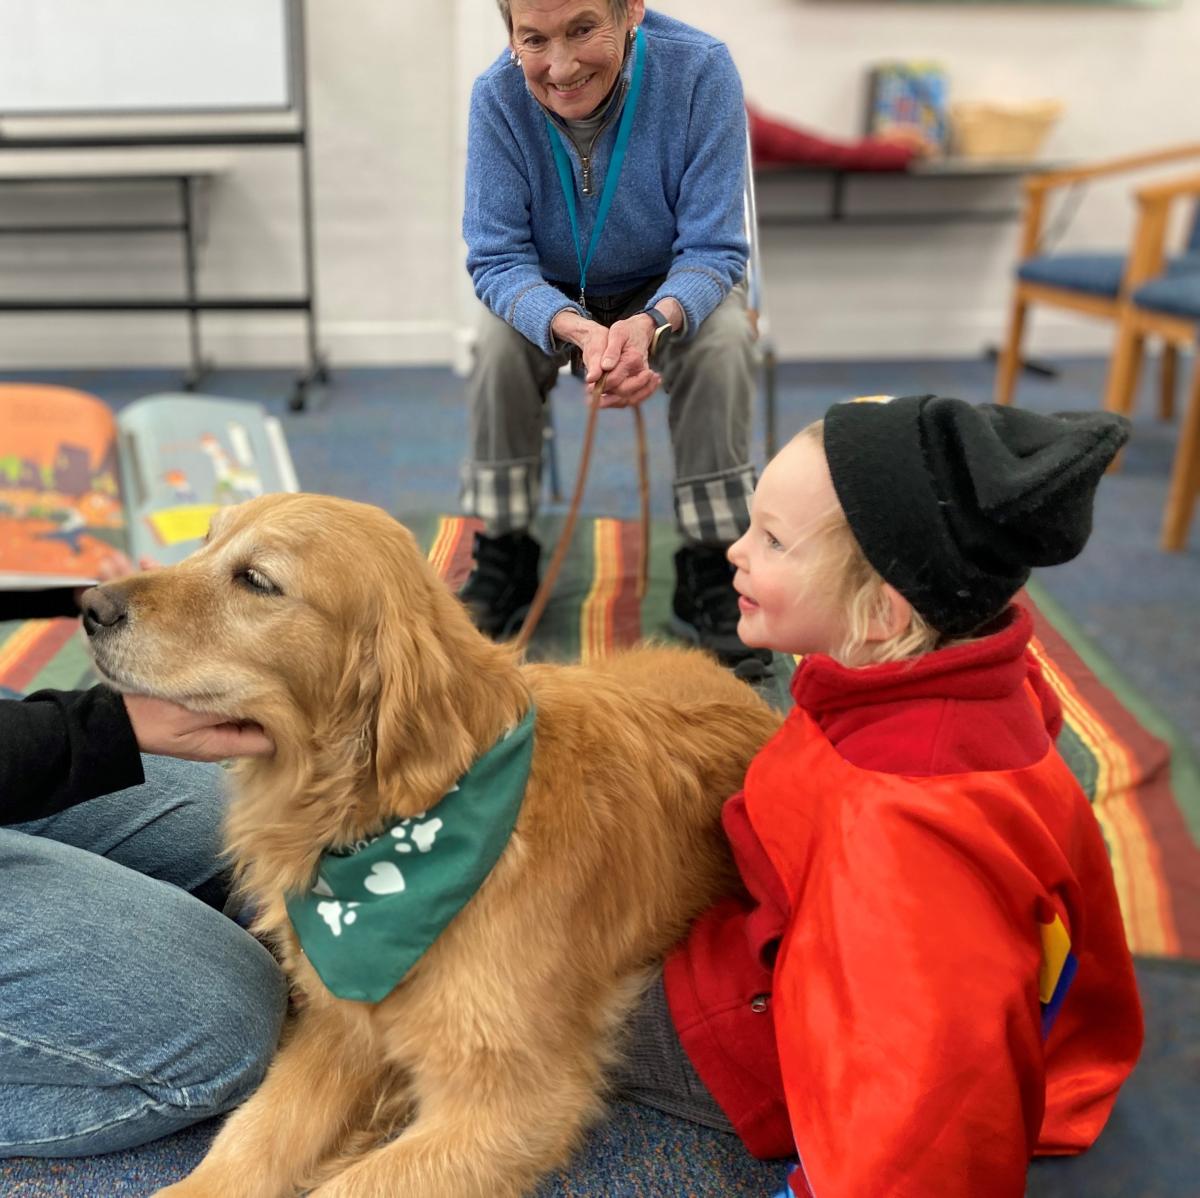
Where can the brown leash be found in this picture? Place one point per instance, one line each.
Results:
(542, 597)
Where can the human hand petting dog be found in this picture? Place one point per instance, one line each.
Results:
(168, 730)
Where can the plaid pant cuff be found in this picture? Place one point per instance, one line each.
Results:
(714, 509)
(503, 495)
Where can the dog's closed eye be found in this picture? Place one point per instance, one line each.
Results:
(255, 581)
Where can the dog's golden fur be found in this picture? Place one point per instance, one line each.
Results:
(378, 693)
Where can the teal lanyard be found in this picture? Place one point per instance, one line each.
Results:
(567, 179)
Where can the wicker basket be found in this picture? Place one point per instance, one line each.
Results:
(992, 130)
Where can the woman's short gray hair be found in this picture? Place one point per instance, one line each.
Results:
(618, 9)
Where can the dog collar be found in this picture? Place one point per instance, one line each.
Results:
(377, 905)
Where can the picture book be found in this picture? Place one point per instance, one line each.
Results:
(909, 98)
(78, 480)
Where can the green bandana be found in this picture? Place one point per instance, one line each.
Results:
(377, 905)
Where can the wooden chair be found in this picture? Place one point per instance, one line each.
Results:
(1092, 284)
(1164, 305)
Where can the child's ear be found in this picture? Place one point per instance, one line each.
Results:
(892, 615)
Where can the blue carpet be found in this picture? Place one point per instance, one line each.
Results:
(637, 1153)
(393, 437)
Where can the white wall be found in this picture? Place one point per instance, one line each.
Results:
(384, 108)
(389, 83)
(1127, 77)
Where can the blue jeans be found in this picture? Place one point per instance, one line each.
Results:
(128, 1007)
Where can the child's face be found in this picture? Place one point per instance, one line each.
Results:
(783, 606)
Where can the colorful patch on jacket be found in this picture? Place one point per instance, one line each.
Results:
(1057, 971)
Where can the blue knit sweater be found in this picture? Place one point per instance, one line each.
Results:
(678, 208)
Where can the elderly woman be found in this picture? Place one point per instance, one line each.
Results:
(604, 222)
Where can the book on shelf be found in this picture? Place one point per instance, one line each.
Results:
(78, 480)
(910, 99)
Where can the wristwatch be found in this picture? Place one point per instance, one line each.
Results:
(663, 332)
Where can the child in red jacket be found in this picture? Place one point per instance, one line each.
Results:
(926, 981)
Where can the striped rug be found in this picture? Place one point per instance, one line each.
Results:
(1141, 778)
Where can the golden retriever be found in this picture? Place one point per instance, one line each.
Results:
(321, 620)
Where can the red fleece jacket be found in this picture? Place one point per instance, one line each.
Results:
(908, 842)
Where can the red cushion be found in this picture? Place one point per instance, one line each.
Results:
(774, 142)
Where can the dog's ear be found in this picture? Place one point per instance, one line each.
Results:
(420, 739)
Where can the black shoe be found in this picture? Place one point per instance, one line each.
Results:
(705, 611)
(503, 582)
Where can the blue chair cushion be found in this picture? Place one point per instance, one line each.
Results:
(1177, 294)
(1188, 263)
(1097, 274)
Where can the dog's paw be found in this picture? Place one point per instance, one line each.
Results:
(212, 1185)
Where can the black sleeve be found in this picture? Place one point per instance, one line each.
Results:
(36, 605)
(58, 748)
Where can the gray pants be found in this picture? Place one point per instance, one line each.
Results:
(655, 1070)
(709, 378)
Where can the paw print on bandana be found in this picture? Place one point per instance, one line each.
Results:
(408, 832)
(335, 914)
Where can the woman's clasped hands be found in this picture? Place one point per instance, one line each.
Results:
(619, 355)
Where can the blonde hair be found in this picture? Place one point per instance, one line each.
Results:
(858, 590)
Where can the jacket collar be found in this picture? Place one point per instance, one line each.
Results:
(990, 667)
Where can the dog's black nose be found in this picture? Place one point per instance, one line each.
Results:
(102, 608)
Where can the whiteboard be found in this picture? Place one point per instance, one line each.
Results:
(143, 56)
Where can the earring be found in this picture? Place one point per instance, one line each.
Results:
(514, 58)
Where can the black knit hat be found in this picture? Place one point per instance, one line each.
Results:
(953, 503)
